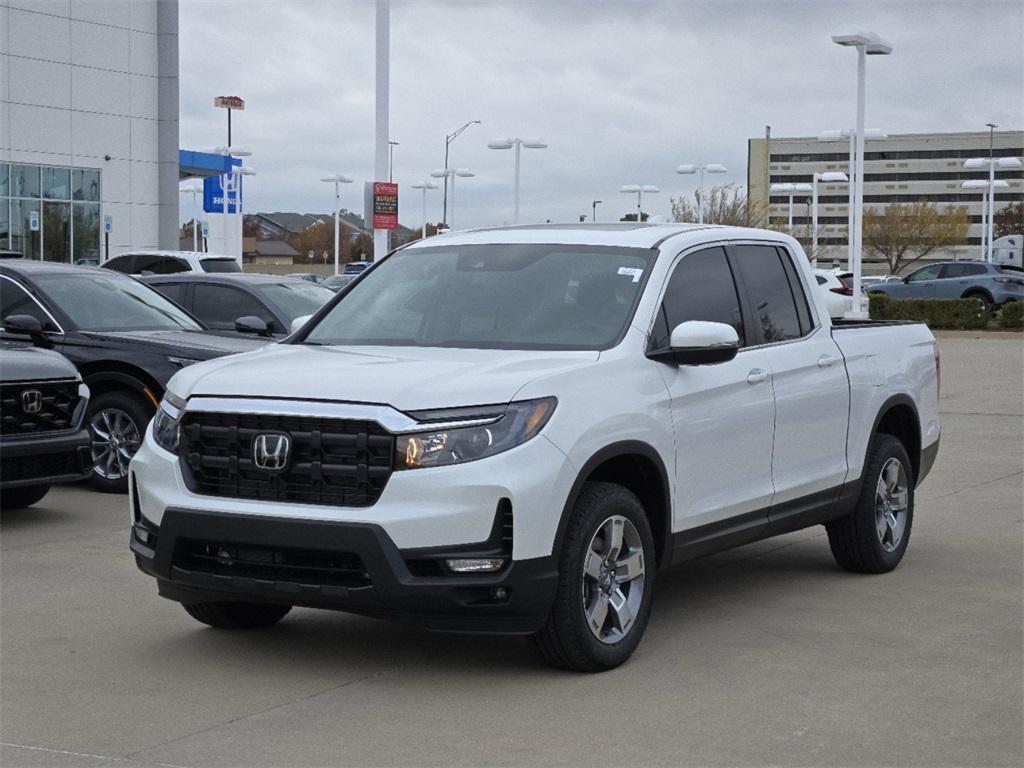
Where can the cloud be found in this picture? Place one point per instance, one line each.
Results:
(622, 92)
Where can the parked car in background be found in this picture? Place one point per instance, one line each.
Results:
(837, 287)
(514, 430)
(264, 305)
(309, 277)
(868, 280)
(170, 262)
(990, 284)
(125, 339)
(1008, 251)
(43, 439)
(337, 282)
(355, 267)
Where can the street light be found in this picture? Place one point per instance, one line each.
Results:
(638, 190)
(989, 192)
(337, 179)
(866, 43)
(827, 176)
(851, 135)
(710, 168)
(593, 206)
(793, 190)
(195, 229)
(988, 211)
(391, 159)
(451, 173)
(425, 185)
(517, 143)
(447, 142)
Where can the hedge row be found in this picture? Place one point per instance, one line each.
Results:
(965, 314)
(1012, 315)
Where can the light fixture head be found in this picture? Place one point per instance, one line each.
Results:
(534, 143)
(803, 188)
(244, 170)
(232, 151)
(425, 185)
(464, 172)
(715, 168)
(782, 187)
(834, 176)
(974, 184)
(686, 168)
(1008, 162)
(650, 188)
(440, 173)
(630, 188)
(976, 162)
(338, 177)
(501, 144)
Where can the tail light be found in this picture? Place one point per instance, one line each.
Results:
(844, 291)
(938, 372)
(1016, 280)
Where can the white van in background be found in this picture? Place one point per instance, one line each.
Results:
(1007, 251)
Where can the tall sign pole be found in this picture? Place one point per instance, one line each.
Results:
(382, 129)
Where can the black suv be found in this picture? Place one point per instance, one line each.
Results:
(42, 412)
(125, 338)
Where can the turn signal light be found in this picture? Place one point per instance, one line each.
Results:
(475, 565)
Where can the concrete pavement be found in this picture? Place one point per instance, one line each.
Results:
(768, 654)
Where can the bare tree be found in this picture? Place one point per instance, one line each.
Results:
(1009, 220)
(727, 204)
(904, 233)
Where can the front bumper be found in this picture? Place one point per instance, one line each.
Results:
(45, 459)
(515, 600)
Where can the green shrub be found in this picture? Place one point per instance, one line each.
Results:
(1012, 315)
(963, 314)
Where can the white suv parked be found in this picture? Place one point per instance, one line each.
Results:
(512, 430)
(170, 262)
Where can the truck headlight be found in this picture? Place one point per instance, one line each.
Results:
(456, 445)
(167, 422)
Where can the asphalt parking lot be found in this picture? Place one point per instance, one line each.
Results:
(768, 654)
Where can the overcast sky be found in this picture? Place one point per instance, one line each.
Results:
(621, 91)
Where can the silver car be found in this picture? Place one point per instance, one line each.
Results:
(990, 284)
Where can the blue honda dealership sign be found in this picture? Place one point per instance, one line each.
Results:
(213, 193)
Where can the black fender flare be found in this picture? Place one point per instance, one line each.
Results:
(126, 381)
(611, 451)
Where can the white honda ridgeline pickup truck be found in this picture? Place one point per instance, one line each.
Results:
(512, 430)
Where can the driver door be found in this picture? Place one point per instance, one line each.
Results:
(922, 284)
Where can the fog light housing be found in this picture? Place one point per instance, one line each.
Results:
(475, 564)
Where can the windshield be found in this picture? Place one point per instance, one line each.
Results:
(339, 281)
(526, 296)
(219, 265)
(295, 299)
(98, 302)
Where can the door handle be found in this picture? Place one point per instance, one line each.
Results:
(757, 375)
(826, 361)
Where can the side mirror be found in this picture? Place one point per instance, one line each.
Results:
(697, 342)
(252, 324)
(26, 325)
(297, 323)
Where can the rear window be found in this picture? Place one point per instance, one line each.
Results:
(219, 265)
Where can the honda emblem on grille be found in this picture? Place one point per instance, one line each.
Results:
(31, 401)
(271, 451)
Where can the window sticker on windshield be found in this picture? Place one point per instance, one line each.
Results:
(632, 272)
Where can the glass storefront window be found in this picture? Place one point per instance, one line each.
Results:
(87, 185)
(56, 231)
(25, 180)
(5, 186)
(5, 222)
(29, 244)
(57, 183)
(86, 225)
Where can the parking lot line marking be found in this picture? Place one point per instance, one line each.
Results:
(82, 754)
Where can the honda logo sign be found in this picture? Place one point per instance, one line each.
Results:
(271, 451)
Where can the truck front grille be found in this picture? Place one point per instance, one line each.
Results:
(28, 407)
(301, 566)
(332, 461)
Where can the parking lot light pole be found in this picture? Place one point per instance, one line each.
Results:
(827, 176)
(593, 206)
(338, 179)
(792, 190)
(448, 139)
(989, 204)
(425, 185)
(451, 173)
(710, 168)
(867, 44)
(988, 192)
(638, 190)
(195, 191)
(517, 144)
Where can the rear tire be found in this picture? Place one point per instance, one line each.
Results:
(117, 424)
(874, 536)
(237, 615)
(605, 583)
(981, 296)
(19, 498)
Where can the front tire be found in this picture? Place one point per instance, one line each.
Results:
(874, 537)
(605, 583)
(237, 615)
(19, 498)
(117, 423)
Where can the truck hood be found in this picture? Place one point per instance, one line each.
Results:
(406, 378)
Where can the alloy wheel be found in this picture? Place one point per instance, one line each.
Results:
(613, 579)
(115, 439)
(891, 500)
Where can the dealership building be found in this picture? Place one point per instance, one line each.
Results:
(902, 168)
(88, 127)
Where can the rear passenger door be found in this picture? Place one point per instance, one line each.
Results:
(958, 278)
(808, 375)
(722, 414)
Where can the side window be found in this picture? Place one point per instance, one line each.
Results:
(768, 288)
(173, 291)
(15, 301)
(219, 306)
(146, 263)
(803, 311)
(930, 272)
(701, 288)
(963, 270)
(821, 280)
(172, 266)
(121, 264)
